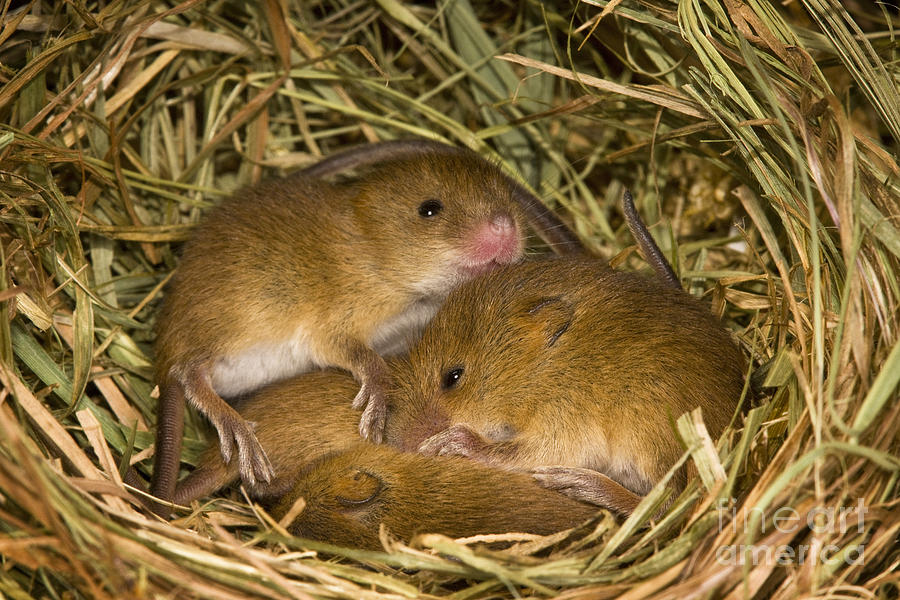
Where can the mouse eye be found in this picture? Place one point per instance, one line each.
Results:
(451, 378)
(430, 208)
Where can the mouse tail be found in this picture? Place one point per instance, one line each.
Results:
(205, 480)
(169, 431)
(652, 253)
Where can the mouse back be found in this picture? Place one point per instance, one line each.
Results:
(348, 495)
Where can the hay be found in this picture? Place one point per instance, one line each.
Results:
(123, 121)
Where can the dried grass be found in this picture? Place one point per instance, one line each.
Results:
(123, 121)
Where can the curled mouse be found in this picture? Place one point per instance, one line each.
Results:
(299, 273)
(309, 431)
(349, 494)
(566, 363)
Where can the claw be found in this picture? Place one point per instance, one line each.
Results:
(588, 485)
(362, 397)
(457, 440)
(371, 424)
(253, 464)
(226, 439)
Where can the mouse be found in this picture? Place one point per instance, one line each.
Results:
(300, 273)
(572, 370)
(348, 495)
(309, 431)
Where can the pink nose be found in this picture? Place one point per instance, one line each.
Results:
(497, 241)
(503, 225)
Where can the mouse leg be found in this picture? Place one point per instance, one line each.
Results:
(462, 440)
(372, 372)
(233, 429)
(588, 485)
(203, 481)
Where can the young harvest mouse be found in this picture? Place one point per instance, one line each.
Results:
(309, 431)
(349, 494)
(569, 364)
(299, 273)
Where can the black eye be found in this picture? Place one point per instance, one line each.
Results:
(430, 208)
(451, 378)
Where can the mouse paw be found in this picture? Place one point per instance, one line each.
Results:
(458, 440)
(588, 485)
(371, 424)
(253, 464)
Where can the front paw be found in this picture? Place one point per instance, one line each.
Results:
(458, 440)
(372, 422)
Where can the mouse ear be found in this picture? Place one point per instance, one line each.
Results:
(356, 488)
(554, 313)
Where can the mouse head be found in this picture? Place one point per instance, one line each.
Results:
(439, 217)
(343, 501)
(490, 354)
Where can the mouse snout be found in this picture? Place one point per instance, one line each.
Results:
(498, 241)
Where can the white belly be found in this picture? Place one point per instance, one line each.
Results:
(398, 333)
(268, 362)
(264, 363)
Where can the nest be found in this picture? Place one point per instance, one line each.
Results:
(761, 141)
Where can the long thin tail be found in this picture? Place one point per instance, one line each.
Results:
(369, 154)
(209, 477)
(169, 432)
(652, 253)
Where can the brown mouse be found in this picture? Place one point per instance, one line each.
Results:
(348, 495)
(299, 273)
(566, 363)
(309, 431)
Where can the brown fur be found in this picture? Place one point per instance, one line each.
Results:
(308, 429)
(348, 495)
(569, 363)
(335, 260)
(296, 421)
(546, 224)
